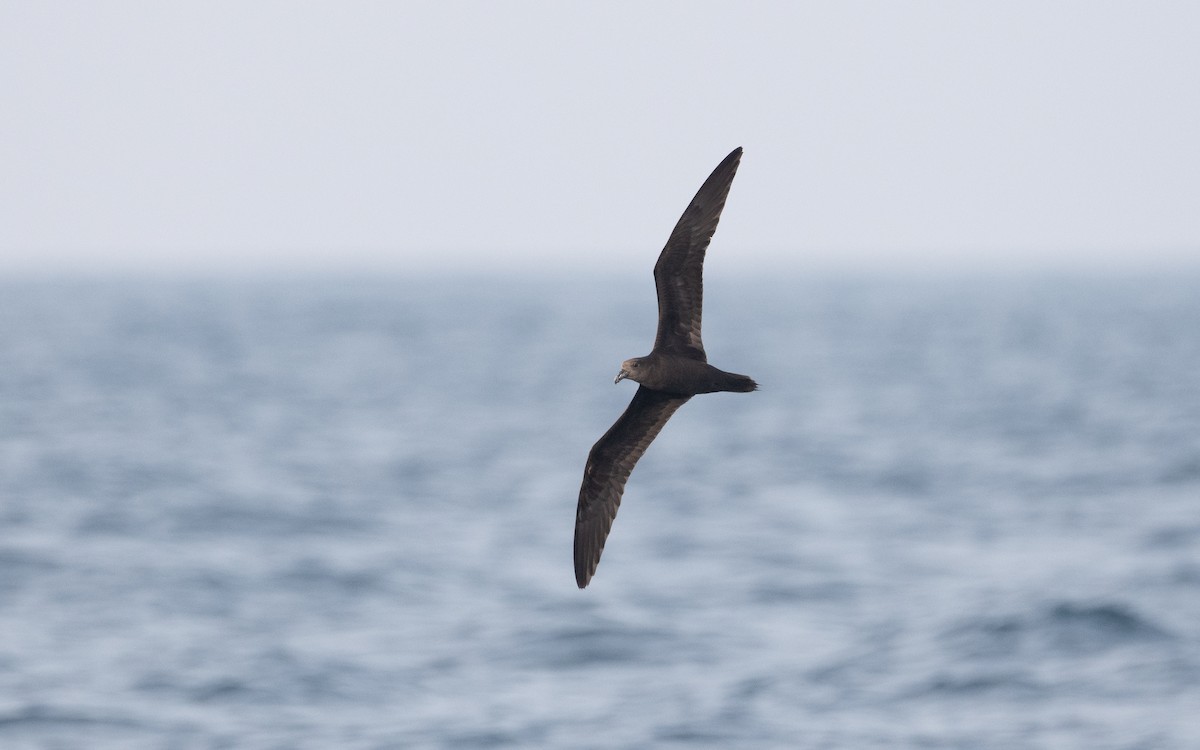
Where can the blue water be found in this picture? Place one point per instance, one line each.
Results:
(961, 513)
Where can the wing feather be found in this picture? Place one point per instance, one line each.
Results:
(608, 467)
(679, 272)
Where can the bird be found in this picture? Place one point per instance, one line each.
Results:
(675, 370)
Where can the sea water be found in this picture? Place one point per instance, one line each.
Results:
(338, 513)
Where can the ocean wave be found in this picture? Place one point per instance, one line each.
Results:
(1063, 626)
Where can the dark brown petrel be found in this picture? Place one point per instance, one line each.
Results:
(672, 373)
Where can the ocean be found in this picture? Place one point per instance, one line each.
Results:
(962, 512)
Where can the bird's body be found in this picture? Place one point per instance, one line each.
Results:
(680, 375)
(672, 373)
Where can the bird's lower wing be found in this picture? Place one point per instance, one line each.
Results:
(609, 464)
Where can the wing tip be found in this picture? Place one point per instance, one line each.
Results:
(734, 158)
(586, 561)
(715, 189)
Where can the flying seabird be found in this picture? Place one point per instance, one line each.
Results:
(674, 371)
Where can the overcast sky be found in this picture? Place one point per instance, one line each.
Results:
(251, 136)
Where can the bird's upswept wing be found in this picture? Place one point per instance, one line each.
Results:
(678, 274)
(609, 464)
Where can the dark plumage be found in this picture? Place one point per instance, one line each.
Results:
(672, 373)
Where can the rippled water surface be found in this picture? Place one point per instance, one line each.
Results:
(338, 514)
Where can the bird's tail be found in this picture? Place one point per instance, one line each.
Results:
(740, 384)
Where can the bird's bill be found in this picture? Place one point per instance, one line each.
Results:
(621, 376)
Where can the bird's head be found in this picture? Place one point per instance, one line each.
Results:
(632, 369)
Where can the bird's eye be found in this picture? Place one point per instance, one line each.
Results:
(634, 365)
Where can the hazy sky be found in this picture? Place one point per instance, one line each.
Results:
(412, 135)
